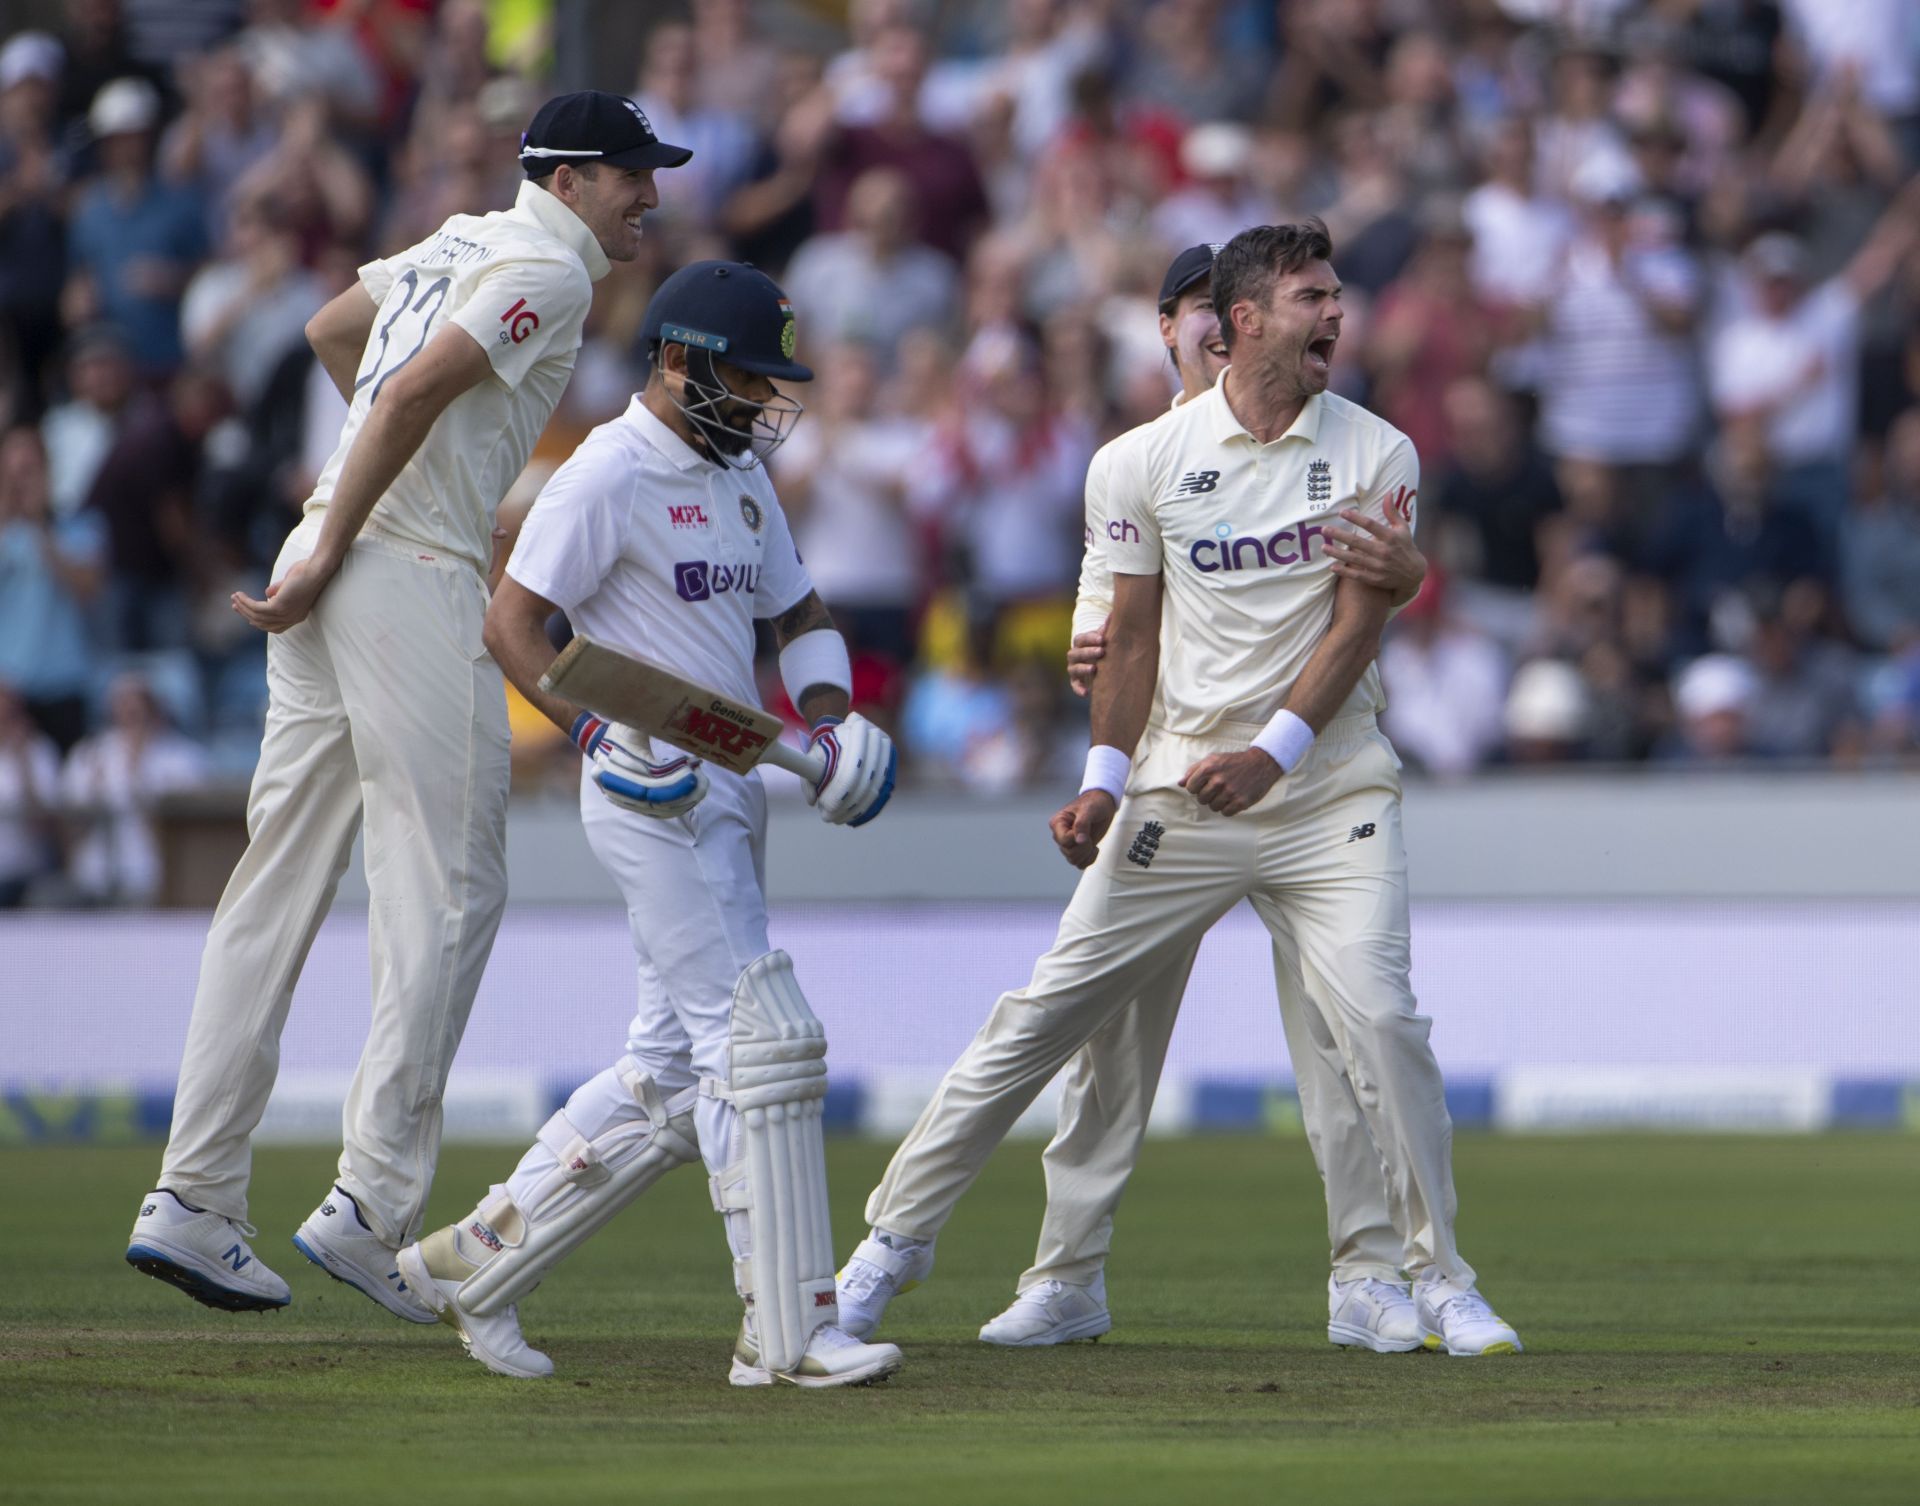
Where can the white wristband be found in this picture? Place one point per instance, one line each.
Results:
(1285, 740)
(1107, 769)
(816, 658)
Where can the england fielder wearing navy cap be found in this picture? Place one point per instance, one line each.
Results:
(662, 537)
(1240, 675)
(383, 702)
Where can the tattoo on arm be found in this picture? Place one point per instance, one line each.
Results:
(807, 615)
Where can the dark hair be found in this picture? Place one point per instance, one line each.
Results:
(1247, 266)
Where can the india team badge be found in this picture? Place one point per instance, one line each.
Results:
(750, 513)
(787, 337)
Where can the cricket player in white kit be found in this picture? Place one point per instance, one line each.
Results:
(661, 537)
(1110, 1082)
(382, 699)
(1240, 672)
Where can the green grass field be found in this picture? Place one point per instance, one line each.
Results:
(1725, 1320)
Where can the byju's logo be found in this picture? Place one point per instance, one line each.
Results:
(1194, 483)
(697, 580)
(1289, 546)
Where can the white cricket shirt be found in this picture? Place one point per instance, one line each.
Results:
(1238, 530)
(518, 281)
(655, 551)
(1094, 598)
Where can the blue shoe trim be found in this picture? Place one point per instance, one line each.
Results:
(163, 1267)
(307, 1250)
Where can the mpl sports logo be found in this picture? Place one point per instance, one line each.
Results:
(1229, 551)
(702, 580)
(687, 515)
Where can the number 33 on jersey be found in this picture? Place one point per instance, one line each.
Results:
(519, 283)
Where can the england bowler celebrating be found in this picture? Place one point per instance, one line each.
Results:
(452, 356)
(1110, 1082)
(662, 538)
(1261, 775)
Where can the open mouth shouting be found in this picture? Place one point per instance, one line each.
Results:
(1320, 354)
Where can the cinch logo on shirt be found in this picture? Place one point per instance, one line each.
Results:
(1289, 546)
(697, 580)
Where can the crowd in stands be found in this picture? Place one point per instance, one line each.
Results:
(1639, 277)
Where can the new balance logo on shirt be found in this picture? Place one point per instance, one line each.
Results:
(1360, 833)
(1195, 483)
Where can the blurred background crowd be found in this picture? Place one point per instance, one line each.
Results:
(1637, 276)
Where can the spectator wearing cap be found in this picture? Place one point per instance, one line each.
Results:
(93, 37)
(1880, 549)
(1618, 385)
(1446, 683)
(1792, 362)
(134, 239)
(1713, 700)
(873, 281)
(51, 568)
(33, 176)
(1547, 713)
(950, 201)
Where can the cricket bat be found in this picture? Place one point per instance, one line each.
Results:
(728, 734)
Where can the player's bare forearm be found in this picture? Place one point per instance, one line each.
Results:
(516, 636)
(810, 615)
(1123, 691)
(338, 335)
(1338, 661)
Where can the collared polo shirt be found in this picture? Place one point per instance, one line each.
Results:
(655, 550)
(1238, 529)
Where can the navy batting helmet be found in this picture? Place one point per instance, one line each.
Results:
(730, 310)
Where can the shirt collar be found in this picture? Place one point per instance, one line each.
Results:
(536, 206)
(1223, 425)
(681, 455)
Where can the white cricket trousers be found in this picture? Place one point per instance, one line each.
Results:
(1109, 1091)
(383, 700)
(1323, 862)
(694, 887)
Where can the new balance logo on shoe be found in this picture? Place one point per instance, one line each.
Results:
(146, 1210)
(234, 1258)
(327, 1210)
(1195, 483)
(1146, 844)
(1360, 833)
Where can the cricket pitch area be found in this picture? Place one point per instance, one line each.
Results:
(1708, 1319)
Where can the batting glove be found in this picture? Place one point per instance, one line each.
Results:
(861, 763)
(662, 790)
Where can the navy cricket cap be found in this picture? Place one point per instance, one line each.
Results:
(1188, 268)
(732, 310)
(593, 126)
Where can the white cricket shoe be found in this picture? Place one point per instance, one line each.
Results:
(833, 1357)
(1458, 1320)
(436, 1268)
(336, 1238)
(874, 1275)
(1372, 1314)
(205, 1254)
(1052, 1312)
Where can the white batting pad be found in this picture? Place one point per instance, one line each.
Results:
(595, 1178)
(777, 1081)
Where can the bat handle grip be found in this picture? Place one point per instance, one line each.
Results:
(808, 765)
